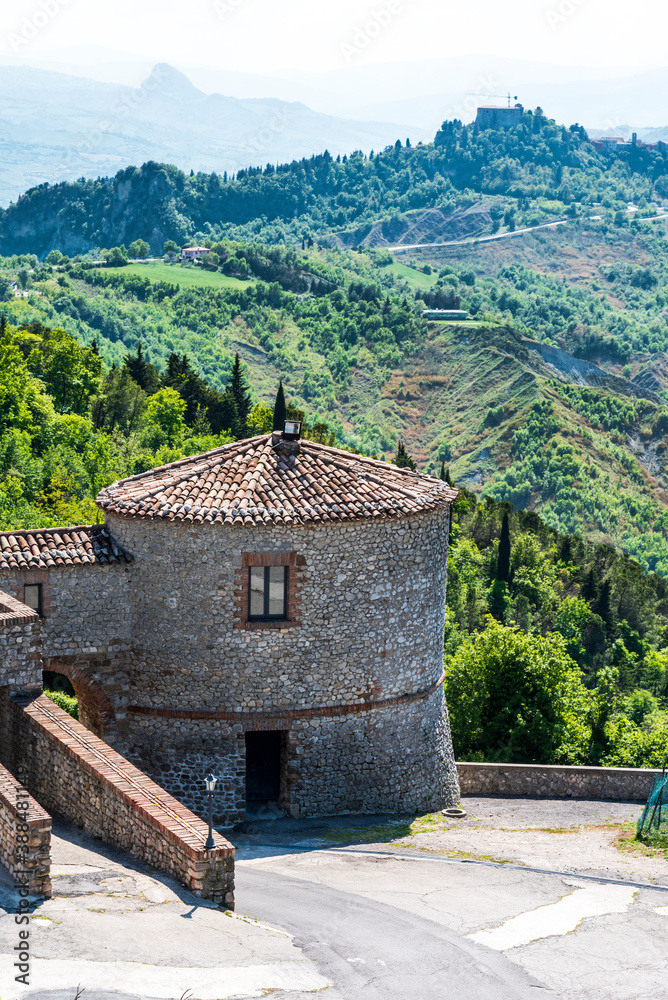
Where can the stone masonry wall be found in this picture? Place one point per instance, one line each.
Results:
(543, 781)
(20, 646)
(86, 623)
(178, 754)
(25, 837)
(71, 771)
(367, 627)
(371, 614)
(396, 759)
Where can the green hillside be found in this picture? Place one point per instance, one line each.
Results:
(552, 396)
(516, 415)
(525, 175)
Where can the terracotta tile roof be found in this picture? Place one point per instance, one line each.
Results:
(258, 481)
(46, 548)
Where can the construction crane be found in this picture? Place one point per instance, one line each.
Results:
(506, 97)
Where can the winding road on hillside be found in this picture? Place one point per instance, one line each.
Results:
(480, 239)
(508, 236)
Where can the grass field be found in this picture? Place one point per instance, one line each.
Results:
(188, 276)
(415, 278)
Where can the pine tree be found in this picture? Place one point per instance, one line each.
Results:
(142, 371)
(445, 474)
(280, 408)
(241, 393)
(602, 608)
(565, 552)
(503, 563)
(589, 588)
(402, 459)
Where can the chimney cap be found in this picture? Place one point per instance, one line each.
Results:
(292, 430)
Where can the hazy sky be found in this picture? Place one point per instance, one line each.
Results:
(266, 35)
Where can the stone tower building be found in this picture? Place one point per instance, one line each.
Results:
(271, 611)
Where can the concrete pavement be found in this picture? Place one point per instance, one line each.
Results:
(370, 920)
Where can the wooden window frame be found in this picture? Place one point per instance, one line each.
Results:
(266, 616)
(295, 572)
(32, 576)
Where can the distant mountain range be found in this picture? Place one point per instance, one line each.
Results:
(56, 127)
(422, 93)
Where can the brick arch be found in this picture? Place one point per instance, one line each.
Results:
(95, 710)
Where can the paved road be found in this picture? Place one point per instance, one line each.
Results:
(361, 920)
(508, 236)
(371, 951)
(480, 239)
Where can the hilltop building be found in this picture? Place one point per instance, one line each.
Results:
(616, 144)
(491, 116)
(271, 611)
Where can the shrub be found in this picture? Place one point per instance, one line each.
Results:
(64, 701)
(516, 698)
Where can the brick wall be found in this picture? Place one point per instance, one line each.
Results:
(25, 837)
(20, 645)
(543, 781)
(72, 772)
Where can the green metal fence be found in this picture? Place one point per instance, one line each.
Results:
(654, 819)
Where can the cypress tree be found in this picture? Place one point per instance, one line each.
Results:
(445, 474)
(241, 393)
(503, 564)
(280, 409)
(402, 459)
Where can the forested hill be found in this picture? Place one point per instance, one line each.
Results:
(537, 161)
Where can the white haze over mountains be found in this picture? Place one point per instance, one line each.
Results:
(417, 93)
(89, 111)
(56, 127)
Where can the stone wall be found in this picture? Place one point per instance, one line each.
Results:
(177, 753)
(372, 598)
(86, 625)
(169, 672)
(25, 837)
(393, 759)
(543, 781)
(20, 646)
(394, 756)
(72, 772)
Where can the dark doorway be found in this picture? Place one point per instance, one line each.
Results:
(263, 766)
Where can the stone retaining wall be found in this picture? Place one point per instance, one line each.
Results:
(20, 645)
(543, 781)
(72, 772)
(25, 837)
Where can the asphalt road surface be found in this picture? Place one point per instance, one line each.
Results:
(371, 951)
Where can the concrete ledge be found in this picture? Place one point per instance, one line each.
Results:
(547, 781)
(25, 837)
